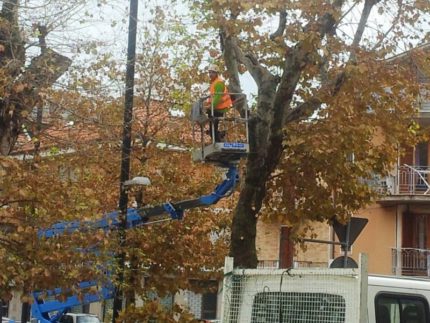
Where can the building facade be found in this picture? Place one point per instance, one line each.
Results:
(397, 235)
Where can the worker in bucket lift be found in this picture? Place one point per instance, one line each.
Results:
(219, 99)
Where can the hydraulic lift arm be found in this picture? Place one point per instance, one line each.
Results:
(138, 217)
(50, 311)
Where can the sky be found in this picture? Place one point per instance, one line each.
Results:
(104, 23)
(105, 26)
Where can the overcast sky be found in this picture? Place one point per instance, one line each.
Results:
(107, 25)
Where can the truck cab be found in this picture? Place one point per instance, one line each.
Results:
(398, 299)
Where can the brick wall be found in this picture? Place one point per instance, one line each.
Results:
(315, 252)
(268, 235)
(267, 241)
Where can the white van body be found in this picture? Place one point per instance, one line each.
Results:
(323, 295)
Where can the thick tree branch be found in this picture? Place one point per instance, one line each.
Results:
(233, 71)
(45, 69)
(257, 71)
(296, 60)
(368, 6)
(306, 109)
(6, 203)
(303, 111)
(281, 25)
(43, 32)
(9, 11)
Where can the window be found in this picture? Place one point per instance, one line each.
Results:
(87, 319)
(79, 319)
(209, 305)
(66, 319)
(85, 308)
(286, 307)
(203, 301)
(401, 308)
(4, 308)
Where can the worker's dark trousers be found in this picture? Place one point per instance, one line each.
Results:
(215, 123)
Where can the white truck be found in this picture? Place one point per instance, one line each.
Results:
(79, 318)
(322, 295)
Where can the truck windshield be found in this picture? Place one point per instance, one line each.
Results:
(87, 319)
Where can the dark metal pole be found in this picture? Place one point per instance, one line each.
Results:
(125, 156)
(25, 312)
(345, 255)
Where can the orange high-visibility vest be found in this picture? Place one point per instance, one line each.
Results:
(226, 102)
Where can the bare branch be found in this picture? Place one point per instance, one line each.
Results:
(368, 6)
(348, 11)
(395, 21)
(305, 109)
(281, 26)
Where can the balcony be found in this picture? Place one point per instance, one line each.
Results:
(411, 261)
(411, 181)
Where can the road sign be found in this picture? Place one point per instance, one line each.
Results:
(354, 226)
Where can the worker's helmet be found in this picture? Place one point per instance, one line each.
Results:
(213, 68)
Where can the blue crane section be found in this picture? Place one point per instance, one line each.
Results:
(46, 309)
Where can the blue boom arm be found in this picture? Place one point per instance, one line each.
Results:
(49, 311)
(52, 310)
(138, 217)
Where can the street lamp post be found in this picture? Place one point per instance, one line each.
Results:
(125, 157)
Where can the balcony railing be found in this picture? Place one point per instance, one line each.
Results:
(268, 264)
(411, 261)
(409, 180)
(310, 264)
(274, 264)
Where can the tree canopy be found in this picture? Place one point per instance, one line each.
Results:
(333, 106)
(326, 89)
(63, 162)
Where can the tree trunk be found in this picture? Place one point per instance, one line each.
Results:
(244, 231)
(244, 227)
(267, 125)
